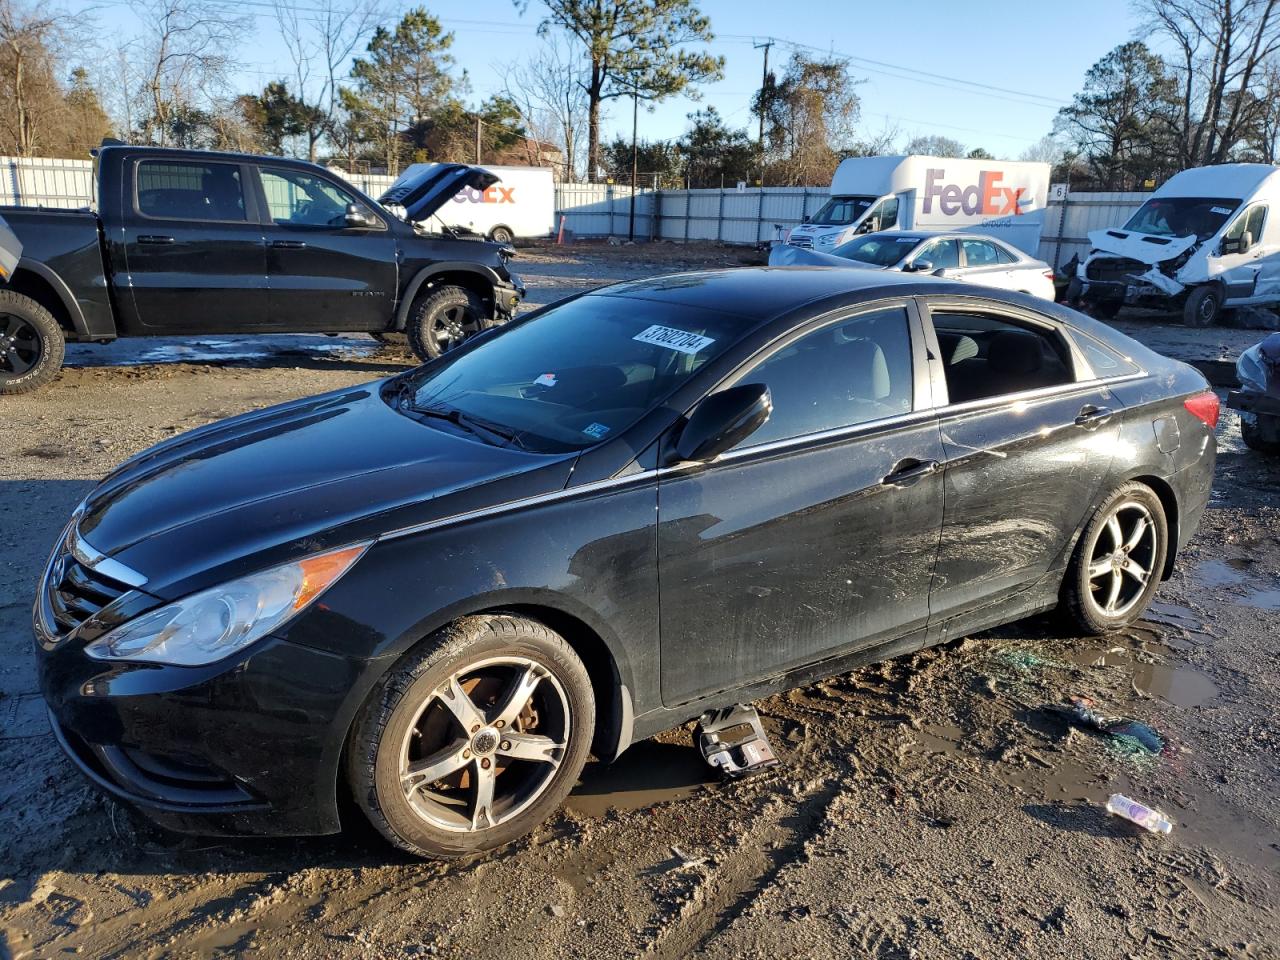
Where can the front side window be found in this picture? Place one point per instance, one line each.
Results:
(841, 211)
(298, 198)
(885, 215)
(1251, 222)
(181, 190)
(849, 372)
(1199, 217)
(985, 355)
(578, 374)
(943, 254)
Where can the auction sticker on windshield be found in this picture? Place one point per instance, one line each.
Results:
(679, 340)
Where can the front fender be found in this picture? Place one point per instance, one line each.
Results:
(423, 277)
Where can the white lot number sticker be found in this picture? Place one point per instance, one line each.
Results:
(679, 340)
(1221, 211)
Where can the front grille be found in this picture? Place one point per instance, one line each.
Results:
(76, 592)
(806, 242)
(1114, 269)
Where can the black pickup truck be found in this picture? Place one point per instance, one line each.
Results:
(190, 242)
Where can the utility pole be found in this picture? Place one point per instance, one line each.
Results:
(764, 82)
(478, 122)
(635, 156)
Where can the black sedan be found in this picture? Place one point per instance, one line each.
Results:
(438, 593)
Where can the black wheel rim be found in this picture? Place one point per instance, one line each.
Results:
(1208, 308)
(453, 325)
(20, 347)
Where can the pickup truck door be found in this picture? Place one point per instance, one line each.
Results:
(322, 273)
(193, 247)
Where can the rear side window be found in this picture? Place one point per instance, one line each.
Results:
(985, 355)
(181, 190)
(1005, 256)
(979, 253)
(1104, 361)
(849, 372)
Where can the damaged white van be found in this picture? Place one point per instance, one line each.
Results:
(1205, 241)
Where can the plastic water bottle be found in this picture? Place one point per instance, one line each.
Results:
(1139, 813)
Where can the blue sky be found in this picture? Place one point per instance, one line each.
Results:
(1036, 52)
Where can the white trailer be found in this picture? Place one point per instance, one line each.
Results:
(1004, 199)
(521, 204)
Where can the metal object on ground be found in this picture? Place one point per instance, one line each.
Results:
(734, 742)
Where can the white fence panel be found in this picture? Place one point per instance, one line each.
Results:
(603, 210)
(1067, 226)
(41, 182)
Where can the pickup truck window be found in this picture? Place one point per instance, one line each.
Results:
(302, 199)
(179, 190)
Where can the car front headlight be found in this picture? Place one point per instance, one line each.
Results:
(829, 240)
(208, 626)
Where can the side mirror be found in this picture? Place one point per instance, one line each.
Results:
(358, 217)
(805, 219)
(723, 420)
(942, 272)
(920, 266)
(867, 226)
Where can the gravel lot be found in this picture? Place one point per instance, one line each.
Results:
(938, 805)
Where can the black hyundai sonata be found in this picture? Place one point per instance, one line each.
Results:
(438, 593)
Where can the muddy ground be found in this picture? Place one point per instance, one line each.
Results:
(938, 805)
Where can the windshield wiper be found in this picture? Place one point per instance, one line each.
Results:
(469, 423)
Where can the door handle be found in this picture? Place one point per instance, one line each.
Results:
(1091, 416)
(289, 244)
(154, 238)
(909, 471)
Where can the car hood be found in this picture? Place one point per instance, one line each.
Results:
(785, 255)
(422, 190)
(1140, 246)
(297, 478)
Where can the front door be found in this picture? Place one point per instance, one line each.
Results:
(1250, 271)
(193, 248)
(817, 535)
(323, 274)
(1027, 448)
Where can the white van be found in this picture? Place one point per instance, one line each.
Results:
(1003, 199)
(521, 204)
(1204, 241)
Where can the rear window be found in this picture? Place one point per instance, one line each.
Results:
(179, 190)
(1104, 361)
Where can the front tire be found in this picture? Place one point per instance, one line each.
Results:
(1202, 307)
(443, 319)
(31, 344)
(475, 739)
(1118, 561)
(1256, 438)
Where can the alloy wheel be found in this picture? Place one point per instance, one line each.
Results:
(1122, 559)
(20, 348)
(485, 744)
(454, 325)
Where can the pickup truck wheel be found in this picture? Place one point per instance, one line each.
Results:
(443, 319)
(31, 344)
(1202, 307)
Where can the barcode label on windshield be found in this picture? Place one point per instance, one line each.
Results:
(679, 340)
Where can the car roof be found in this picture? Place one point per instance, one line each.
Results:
(761, 293)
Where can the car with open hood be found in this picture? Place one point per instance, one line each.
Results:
(1205, 241)
(191, 242)
(436, 594)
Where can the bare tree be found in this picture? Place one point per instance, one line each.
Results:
(320, 39)
(182, 60)
(550, 93)
(1223, 48)
(32, 39)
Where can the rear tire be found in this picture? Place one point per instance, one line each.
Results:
(443, 319)
(1118, 561)
(31, 344)
(474, 739)
(1202, 307)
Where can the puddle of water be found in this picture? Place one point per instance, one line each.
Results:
(648, 773)
(1219, 573)
(1234, 574)
(163, 350)
(1181, 686)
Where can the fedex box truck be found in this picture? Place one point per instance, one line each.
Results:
(521, 204)
(1002, 198)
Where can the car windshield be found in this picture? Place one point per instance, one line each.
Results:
(574, 376)
(883, 250)
(842, 211)
(1200, 217)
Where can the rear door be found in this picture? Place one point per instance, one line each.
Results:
(981, 262)
(323, 274)
(193, 246)
(1028, 436)
(817, 535)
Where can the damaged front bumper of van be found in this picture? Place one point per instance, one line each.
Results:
(1134, 268)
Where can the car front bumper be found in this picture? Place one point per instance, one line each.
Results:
(507, 297)
(248, 746)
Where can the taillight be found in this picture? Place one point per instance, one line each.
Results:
(1048, 275)
(1205, 406)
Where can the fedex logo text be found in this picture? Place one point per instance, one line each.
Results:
(494, 194)
(986, 197)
